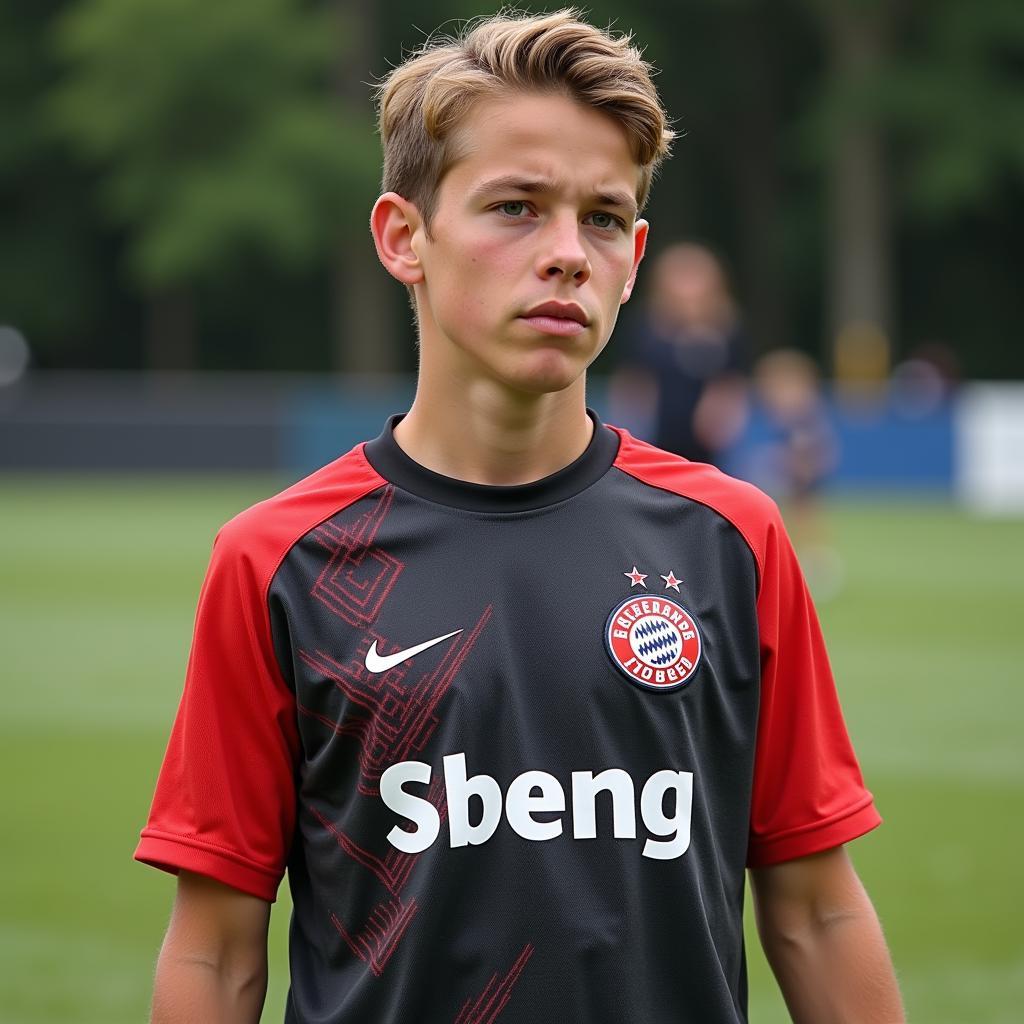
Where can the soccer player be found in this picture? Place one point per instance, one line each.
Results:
(515, 698)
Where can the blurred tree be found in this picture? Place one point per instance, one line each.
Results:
(217, 137)
(858, 34)
(954, 104)
(176, 158)
(363, 323)
(733, 75)
(52, 253)
(919, 119)
(955, 98)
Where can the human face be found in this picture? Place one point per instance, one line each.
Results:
(540, 208)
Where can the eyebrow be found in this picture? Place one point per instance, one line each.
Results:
(542, 186)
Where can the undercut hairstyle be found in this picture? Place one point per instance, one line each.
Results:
(422, 102)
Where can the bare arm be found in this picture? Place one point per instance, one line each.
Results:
(822, 938)
(213, 962)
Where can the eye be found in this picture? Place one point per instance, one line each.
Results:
(605, 221)
(513, 208)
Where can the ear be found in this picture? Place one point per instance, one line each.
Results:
(393, 223)
(640, 230)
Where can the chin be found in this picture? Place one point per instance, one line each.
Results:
(544, 383)
(546, 387)
(548, 379)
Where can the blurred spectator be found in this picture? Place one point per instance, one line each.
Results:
(792, 450)
(796, 447)
(925, 380)
(680, 380)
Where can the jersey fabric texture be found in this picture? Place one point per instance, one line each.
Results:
(514, 745)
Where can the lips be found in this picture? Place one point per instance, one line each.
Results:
(559, 311)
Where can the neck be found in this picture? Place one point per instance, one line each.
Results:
(481, 432)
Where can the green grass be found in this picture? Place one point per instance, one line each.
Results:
(98, 582)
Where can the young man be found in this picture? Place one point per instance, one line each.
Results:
(514, 697)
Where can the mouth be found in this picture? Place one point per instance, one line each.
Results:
(561, 318)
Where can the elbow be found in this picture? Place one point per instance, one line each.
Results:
(785, 933)
(232, 971)
(237, 974)
(795, 929)
(798, 929)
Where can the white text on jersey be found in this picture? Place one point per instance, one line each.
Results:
(520, 804)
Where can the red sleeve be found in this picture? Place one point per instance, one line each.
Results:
(225, 799)
(808, 791)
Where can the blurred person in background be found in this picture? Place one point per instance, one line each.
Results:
(680, 381)
(791, 449)
(926, 380)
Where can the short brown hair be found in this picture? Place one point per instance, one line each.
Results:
(423, 100)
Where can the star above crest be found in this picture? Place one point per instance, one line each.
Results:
(636, 577)
(671, 583)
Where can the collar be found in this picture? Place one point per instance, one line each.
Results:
(391, 462)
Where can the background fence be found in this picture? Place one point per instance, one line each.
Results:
(969, 446)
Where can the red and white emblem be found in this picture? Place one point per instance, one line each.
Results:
(654, 641)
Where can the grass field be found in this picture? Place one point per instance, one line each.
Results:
(98, 582)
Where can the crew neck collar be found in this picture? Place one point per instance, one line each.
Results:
(386, 456)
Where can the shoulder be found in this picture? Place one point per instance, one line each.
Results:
(262, 534)
(750, 511)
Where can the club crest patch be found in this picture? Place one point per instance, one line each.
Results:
(654, 642)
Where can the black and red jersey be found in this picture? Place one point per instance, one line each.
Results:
(514, 745)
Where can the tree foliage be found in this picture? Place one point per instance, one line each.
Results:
(227, 150)
(214, 129)
(947, 93)
(954, 97)
(50, 280)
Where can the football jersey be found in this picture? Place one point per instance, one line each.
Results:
(514, 745)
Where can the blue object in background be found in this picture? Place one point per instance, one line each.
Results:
(882, 446)
(323, 421)
(895, 450)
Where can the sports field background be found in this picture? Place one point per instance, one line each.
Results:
(98, 583)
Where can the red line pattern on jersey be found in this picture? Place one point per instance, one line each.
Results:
(395, 867)
(359, 575)
(494, 997)
(383, 931)
(391, 714)
(401, 705)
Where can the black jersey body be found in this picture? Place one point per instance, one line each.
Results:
(499, 815)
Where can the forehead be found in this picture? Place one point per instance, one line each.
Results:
(545, 136)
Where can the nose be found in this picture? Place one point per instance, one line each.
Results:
(563, 254)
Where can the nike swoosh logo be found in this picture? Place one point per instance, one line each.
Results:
(375, 663)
